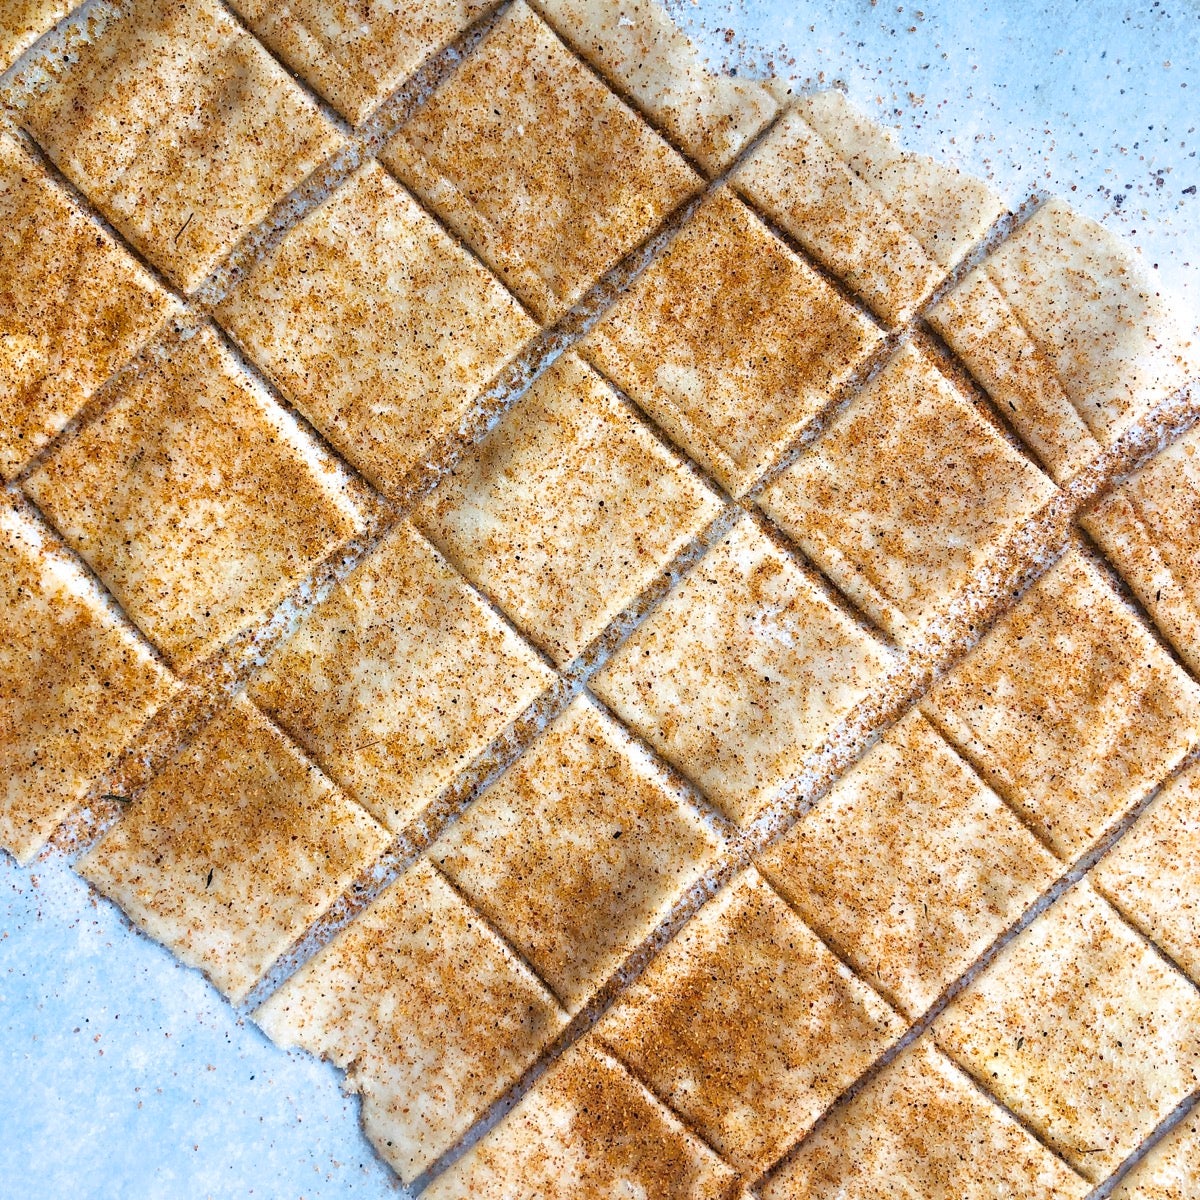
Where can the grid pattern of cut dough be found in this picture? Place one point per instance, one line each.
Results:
(728, 518)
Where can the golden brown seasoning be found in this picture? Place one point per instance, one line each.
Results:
(741, 672)
(1064, 326)
(376, 325)
(1149, 528)
(73, 307)
(1151, 874)
(356, 55)
(552, 180)
(921, 1129)
(234, 849)
(1170, 1170)
(22, 22)
(577, 852)
(731, 342)
(551, 513)
(1069, 707)
(638, 46)
(195, 499)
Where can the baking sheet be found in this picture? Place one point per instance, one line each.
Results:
(125, 1073)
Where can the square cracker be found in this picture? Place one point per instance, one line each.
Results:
(357, 54)
(234, 849)
(399, 679)
(578, 851)
(549, 513)
(1064, 326)
(427, 1011)
(377, 325)
(196, 498)
(1082, 1030)
(921, 1130)
(639, 46)
(890, 224)
(741, 672)
(906, 496)
(731, 342)
(946, 211)
(748, 1026)
(1170, 1170)
(74, 307)
(180, 127)
(1149, 529)
(1152, 874)
(75, 684)
(1069, 707)
(911, 866)
(538, 165)
(22, 22)
(587, 1131)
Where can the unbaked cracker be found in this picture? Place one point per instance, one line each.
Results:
(399, 679)
(741, 671)
(77, 685)
(196, 498)
(552, 180)
(1080, 1028)
(425, 1009)
(549, 513)
(234, 849)
(578, 852)
(588, 1131)
(747, 1025)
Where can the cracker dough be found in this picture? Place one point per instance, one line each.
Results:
(377, 326)
(1065, 328)
(748, 1026)
(741, 671)
(1152, 877)
(180, 127)
(399, 679)
(549, 513)
(22, 22)
(1170, 1170)
(75, 684)
(920, 1130)
(1083, 1030)
(1149, 528)
(355, 55)
(578, 851)
(196, 498)
(911, 866)
(731, 342)
(426, 1010)
(588, 1131)
(551, 182)
(234, 849)
(639, 47)
(74, 307)
(1069, 707)
(906, 496)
